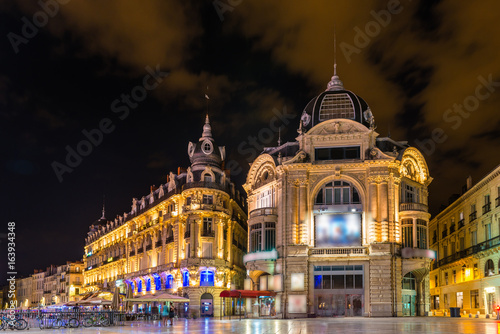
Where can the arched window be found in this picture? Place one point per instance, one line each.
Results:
(409, 282)
(185, 278)
(169, 282)
(489, 268)
(157, 283)
(337, 192)
(207, 178)
(207, 278)
(148, 284)
(139, 286)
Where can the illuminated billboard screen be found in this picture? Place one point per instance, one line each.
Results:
(337, 230)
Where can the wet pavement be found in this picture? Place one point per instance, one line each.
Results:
(434, 325)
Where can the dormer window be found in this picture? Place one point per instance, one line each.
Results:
(207, 147)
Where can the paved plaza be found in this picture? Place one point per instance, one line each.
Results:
(434, 325)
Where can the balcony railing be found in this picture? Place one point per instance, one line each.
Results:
(263, 212)
(487, 208)
(473, 216)
(207, 233)
(339, 251)
(203, 184)
(461, 223)
(485, 245)
(413, 207)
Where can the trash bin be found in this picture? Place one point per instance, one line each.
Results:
(455, 312)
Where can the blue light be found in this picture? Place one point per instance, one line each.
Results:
(169, 283)
(207, 278)
(185, 280)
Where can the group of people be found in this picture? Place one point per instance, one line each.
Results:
(168, 313)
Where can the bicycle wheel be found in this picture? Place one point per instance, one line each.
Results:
(20, 324)
(87, 322)
(73, 323)
(2, 323)
(104, 322)
(57, 323)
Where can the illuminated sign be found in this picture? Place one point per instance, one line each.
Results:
(298, 281)
(490, 289)
(270, 255)
(110, 259)
(408, 253)
(338, 230)
(297, 303)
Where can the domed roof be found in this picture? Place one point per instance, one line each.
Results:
(206, 151)
(336, 102)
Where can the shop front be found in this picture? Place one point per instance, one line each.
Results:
(248, 303)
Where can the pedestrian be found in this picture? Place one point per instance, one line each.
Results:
(164, 314)
(171, 314)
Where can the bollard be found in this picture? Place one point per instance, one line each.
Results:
(470, 315)
(487, 315)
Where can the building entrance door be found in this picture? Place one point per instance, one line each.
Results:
(409, 305)
(206, 305)
(354, 305)
(490, 299)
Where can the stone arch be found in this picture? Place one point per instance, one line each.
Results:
(412, 157)
(257, 164)
(360, 187)
(208, 171)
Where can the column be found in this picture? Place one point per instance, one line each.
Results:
(383, 210)
(374, 219)
(303, 236)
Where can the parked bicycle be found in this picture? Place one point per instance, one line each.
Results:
(6, 323)
(66, 323)
(96, 320)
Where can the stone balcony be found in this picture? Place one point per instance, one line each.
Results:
(339, 251)
(413, 207)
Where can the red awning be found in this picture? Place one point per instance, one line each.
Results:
(246, 293)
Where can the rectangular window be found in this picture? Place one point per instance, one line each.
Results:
(338, 281)
(337, 153)
(207, 225)
(460, 299)
(454, 276)
(318, 281)
(208, 199)
(446, 278)
(408, 236)
(337, 195)
(329, 195)
(358, 281)
(473, 238)
(349, 281)
(188, 250)
(270, 236)
(327, 282)
(487, 232)
(421, 237)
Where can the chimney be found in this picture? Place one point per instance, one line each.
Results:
(153, 188)
(181, 170)
(469, 182)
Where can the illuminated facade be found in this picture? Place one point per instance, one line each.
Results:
(466, 237)
(338, 218)
(186, 237)
(61, 284)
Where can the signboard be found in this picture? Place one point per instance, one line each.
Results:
(338, 230)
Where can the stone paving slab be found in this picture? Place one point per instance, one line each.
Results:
(435, 325)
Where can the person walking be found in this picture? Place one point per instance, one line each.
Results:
(171, 313)
(164, 313)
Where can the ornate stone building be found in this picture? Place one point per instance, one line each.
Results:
(186, 237)
(466, 237)
(338, 218)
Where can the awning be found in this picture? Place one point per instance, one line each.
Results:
(161, 297)
(247, 293)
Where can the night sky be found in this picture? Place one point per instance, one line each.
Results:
(426, 70)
